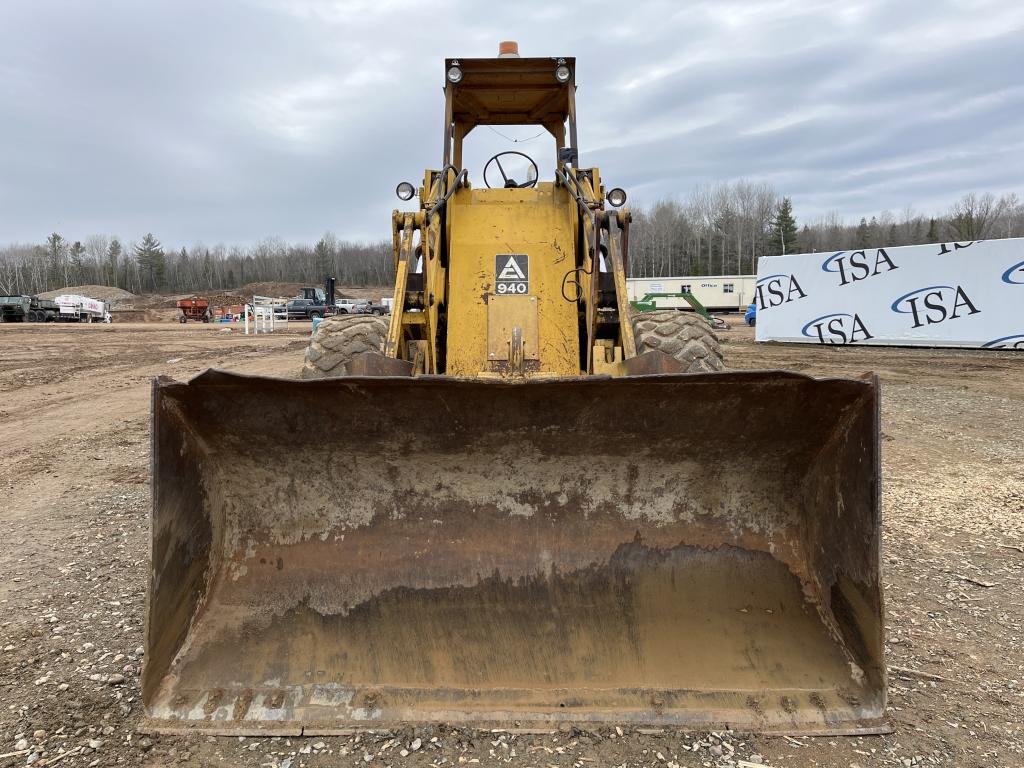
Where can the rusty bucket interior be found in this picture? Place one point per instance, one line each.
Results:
(687, 550)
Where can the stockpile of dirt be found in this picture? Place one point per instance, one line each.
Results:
(115, 297)
(273, 289)
(170, 301)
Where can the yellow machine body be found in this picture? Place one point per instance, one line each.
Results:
(541, 223)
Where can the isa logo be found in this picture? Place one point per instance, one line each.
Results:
(837, 328)
(1007, 342)
(935, 304)
(774, 290)
(858, 265)
(1015, 274)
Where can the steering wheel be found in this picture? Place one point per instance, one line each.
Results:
(510, 183)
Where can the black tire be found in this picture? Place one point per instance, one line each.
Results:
(338, 340)
(182, 319)
(315, 315)
(31, 316)
(685, 336)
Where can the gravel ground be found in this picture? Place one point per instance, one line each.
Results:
(74, 476)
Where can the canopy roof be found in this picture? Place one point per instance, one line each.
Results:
(510, 91)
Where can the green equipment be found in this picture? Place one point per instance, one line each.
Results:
(649, 303)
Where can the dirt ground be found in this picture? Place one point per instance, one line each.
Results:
(74, 474)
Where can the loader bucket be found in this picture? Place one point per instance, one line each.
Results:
(683, 550)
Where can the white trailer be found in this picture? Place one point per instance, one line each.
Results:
(718, 293)
(73, 308)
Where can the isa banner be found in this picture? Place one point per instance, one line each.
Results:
(941, 295)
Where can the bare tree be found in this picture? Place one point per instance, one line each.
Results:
(972, 217)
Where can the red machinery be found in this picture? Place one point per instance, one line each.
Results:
(194, 309)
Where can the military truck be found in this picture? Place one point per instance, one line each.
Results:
(31, 309)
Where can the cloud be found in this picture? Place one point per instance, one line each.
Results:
(233, 121)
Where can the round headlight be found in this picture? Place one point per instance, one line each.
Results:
(616, 197)
(563, 73)
(405, 191)
(454, 74)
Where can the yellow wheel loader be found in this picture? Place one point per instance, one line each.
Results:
(516, 502)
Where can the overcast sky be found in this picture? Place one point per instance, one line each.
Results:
(231, 121)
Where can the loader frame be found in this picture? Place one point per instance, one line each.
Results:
(534, 530)
(596, 281)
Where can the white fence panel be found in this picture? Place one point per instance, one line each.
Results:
(942, 295)
(264, 318)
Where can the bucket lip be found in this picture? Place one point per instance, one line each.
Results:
(873, 726)
(219, 377)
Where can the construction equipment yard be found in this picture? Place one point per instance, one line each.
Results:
(75, 475)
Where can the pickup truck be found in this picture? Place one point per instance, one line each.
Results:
(310, 304)
(32, 309)
(305, 309)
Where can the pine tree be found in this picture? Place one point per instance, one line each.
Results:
(322, 259)
(863, 237)
(933, 231)
(152, 264)
(76, 257)
(113, 260)
(783, 230)
(56, 250)
(874, 238)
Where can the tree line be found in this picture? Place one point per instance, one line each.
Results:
(724, 229)
(148, 266)
(720, 229)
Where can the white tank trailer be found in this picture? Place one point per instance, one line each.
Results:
(73, 308)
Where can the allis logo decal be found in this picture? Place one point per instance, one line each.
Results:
(935, 304)
(856, 266)
(837, 328)
(512, 274)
